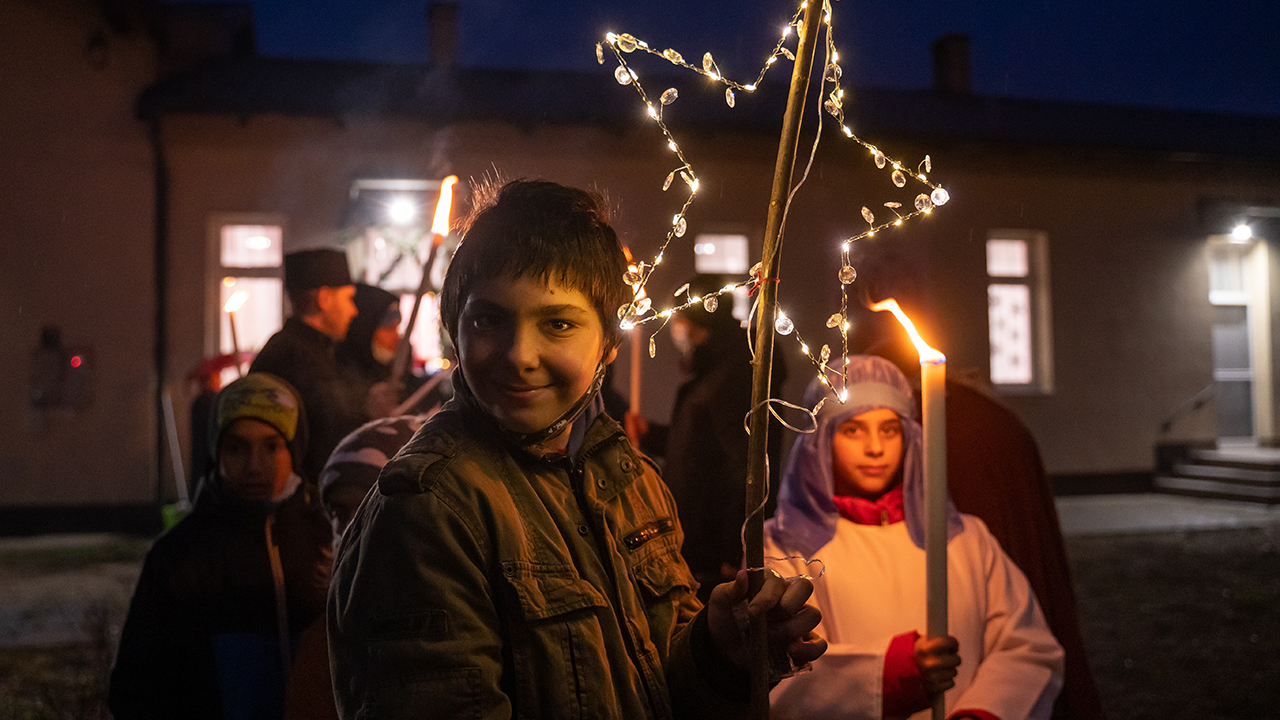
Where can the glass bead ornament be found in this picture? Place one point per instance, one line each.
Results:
(868, 215)
(825, 354)
(681, 227)
(923, 203)
(787, 54)
(729, 99)
(928, 164)
(892, 204)
(833, 73)
(599, 53)
(710, 303)
(643, 305)
(899, 179)
(627, 42)
(622, 75)
(631, 277)
(832, 108)
(783, 325)
(672, 56)
(669, 96)
(939, 196)
(880, 158)
(709, 65)
(682, 290)
(666, 184)
(653, 348)
(848, 275)
(834, 321)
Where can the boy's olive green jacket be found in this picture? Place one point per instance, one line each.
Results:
(480, 581)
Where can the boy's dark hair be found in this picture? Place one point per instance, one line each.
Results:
(535, 228)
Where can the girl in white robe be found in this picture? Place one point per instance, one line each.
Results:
(852, 496)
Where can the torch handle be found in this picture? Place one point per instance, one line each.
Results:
(404, 348)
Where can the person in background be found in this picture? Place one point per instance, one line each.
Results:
(318, 283)
(852, 497)
(367, 356)
(352, 469)
(518, 558)
(704, 449)
(224, 595)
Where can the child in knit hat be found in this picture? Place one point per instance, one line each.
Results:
(225, 594)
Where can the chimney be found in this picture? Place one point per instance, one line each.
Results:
(951, 65)
(442, 27)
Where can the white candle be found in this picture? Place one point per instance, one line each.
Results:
(933, 390)
(933, 380)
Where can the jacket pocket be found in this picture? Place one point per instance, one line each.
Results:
(557, 643)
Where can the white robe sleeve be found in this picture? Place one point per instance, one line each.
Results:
(1021, 670)
(846, 684)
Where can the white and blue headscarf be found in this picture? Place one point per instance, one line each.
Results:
(806, 516)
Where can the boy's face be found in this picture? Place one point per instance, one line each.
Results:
(254, 460)
(866, 451)
(529, 350)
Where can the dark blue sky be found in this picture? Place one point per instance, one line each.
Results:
(1216, 55)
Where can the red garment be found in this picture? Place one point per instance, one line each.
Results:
(884, 510)
(994, 471)
(902, 686)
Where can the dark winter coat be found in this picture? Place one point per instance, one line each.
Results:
(705, 460)
(334, 404)
(203, 637)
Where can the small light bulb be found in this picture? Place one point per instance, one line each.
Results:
(672, 144)
(786, 31)
(835, 56)
(653, 112)
(1241, 232)
(844, 247)
(750, 88)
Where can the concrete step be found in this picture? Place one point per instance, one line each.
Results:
(1230, 473)
(1261, 457)
(1268, 493)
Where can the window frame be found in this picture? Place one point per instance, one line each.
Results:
(1041, 312)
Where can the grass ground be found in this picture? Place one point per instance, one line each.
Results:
(1182, 625)
(1177, 625)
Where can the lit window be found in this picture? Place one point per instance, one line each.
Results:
(722, 254)
(250, 291)
(1018, 317)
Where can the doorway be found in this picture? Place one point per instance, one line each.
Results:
(1241, 330)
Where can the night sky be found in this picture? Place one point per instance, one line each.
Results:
(1214, 55)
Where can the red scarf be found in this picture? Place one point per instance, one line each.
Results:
(884, 510)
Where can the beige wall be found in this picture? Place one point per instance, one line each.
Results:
(76, 223)
(1127, 263)
(1128, 276)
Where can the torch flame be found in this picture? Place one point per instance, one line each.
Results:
(440, 222)
(235, 301)
(927, 354)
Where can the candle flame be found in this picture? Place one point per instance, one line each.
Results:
(235, 301)
(928, 355)
(440, 222)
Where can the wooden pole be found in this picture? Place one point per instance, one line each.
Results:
(757, 456)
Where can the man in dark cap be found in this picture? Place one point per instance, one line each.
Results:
(318, 283)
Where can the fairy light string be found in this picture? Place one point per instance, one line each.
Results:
(831, 97)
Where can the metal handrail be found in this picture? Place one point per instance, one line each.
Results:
(1194, 403)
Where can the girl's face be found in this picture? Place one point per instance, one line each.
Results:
(866, 452)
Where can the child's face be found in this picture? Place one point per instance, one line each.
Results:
(529, 350)
(865, 454)
(254, 460)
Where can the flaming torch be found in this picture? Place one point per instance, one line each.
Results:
(439, 230)
(233, 304)
(933, 378)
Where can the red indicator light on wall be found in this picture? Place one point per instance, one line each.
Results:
(76, 361)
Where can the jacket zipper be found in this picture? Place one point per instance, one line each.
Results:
(282, 605)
